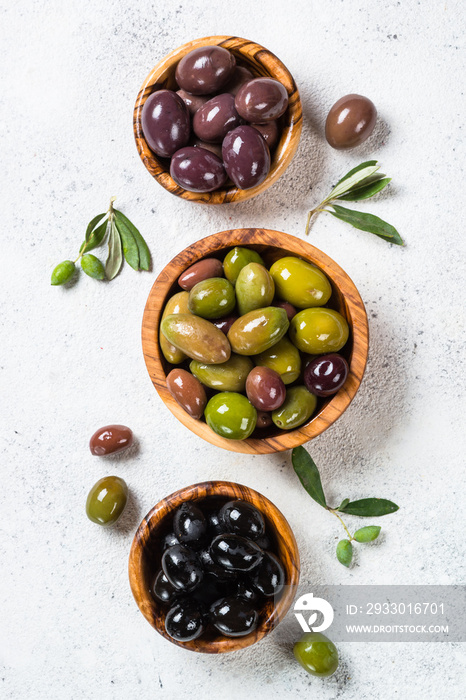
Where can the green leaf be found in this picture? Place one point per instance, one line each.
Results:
(344, 552)
(93, 267)
(144, 253)
(343, 504)
(367, 534)
(354, 177)
(115, 254)
(92, 225)
(130, 248)
(370, 507)
(63, 272)
(368, 189)
(308, 474)
(95, 239)
(367, 222)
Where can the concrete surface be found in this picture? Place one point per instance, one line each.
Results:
(72, 361)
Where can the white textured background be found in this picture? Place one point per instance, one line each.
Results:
(71, 359)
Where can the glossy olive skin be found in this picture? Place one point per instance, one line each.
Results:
(264, 420)
(265, 389)
(289, 308)
(234, 616)
(231, 415)
(261, 100)
(202, 270)
(350, 121)
(297, 408)
(242, 518)
(182, 567)
(316, 654)
(162, 590)
(240, 76)
(165, 123)
(177, 304)
(190, 525)
(212, 298)
(215, 148)
(106, 500)
(269, 576)
(245, 589)
(269, 133)
(205, 70)
(197, 169)
(238, 258)
(187, 391)
(216, 118)
(300, 283)
(185, 621)
(254, 288)
(213, 569)
(197, 338)
(283, 358)
(246, 157)
(325, 375)
(192, 102)
(169, 540)
(215, 526)
(229, 376)
(258, 330)
(235, 553)
(319, 331)
(225, 323)
(110, 439)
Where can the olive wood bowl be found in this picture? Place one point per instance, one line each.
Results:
(271, 245)
(146, 549)
(261, 63)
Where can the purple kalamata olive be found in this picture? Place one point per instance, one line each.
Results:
(326, 374)
(246, 157)
(240, 76)
(192, 102)
(165, 123)
(269, 132)
(216, 118)
(205, 70)
(197, 169)
(265, 389)
(261, 100)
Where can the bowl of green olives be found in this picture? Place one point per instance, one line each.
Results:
(214, 567)
(218, 120)
(255, 340)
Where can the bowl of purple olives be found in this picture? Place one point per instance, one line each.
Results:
(214, 567)
(218, 120)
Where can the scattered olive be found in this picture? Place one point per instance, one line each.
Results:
(316, 654)
(107, 500)
(110, 439)
(350, 121)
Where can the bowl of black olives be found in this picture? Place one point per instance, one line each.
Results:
(214, 567)
(218, 120)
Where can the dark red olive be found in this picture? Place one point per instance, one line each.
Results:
(185, 621)
(240, 76)
(261, 100)
(265, 389)
(350, 121)
(202, 270)
(289, 308)
(269, 133)
(325, 375)
(246, 157)
(233, 616)
(216, 118)
(189, 525)
(235, 553)
(264, 419)
(110, 439)
(192, 102)
(215, 148)
(242, 518)
(165, 123)
(225, 323)
(205, 70)
(197, 170)
(162, 589)
(269, 576)
(182, 567)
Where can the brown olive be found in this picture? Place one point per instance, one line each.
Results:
(216, 118)
(197, 169)
(202, 270)
(265, 389)
(261, 100)
(110, 439)
(350, 121)
(192, 102)
(205, 70)
(240, 76)
(187, 391)
(269, 133)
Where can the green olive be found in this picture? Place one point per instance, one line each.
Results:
(177, 304)
(212, 298)
(229, 376)
(107, 500)
(198, 338)
(254, 288)
(258, 330)
(319, 331)
(300, 283)
(284, 358)
(316, 654)
(297, 408)
(231, 415)
(63, 272)
(238, 258)
(93, 267)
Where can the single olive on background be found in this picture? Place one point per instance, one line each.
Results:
(350, 121)
(110, 439)
(316, 654)
(106, 500)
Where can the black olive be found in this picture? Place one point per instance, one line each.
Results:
(163, 590)
(269, 576)
(215, 526)
(233, 616)
(235, 553)
(216, 570)
(182, 567)
(211, 589)
(242, 518)
(185, 621)
(264, 542)
(189, 524)
(245, 589)
(169, 540)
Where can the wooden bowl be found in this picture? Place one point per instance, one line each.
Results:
(146, 549)
(260, 62)
(271, 245)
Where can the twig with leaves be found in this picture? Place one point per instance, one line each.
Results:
(308, 474)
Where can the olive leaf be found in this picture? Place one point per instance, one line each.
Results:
(95, 238)
(343, 504)
(345, 552)
(115, 255)
(367, 222)
(308, 474)
(368, 189)
(370, 507)
(367, 534)
(144, 253)
(354, 177)
(130, 248)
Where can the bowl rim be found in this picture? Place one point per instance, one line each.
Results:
(283, 152)
(199, 491)
(356, 314)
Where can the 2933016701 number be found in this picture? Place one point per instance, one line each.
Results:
(388, 608)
